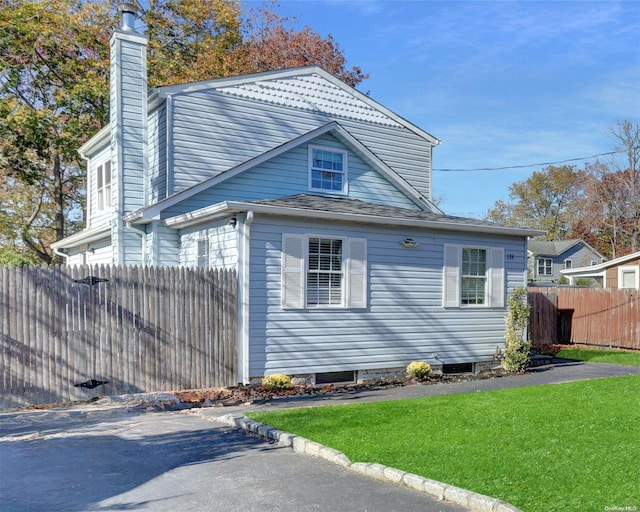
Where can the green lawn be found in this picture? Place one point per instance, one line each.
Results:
(569, 447)
(601, 356)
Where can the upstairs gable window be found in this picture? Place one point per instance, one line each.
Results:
(103, 186)
(327, 170)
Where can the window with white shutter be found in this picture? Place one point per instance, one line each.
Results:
(473, 276)
(323, 272)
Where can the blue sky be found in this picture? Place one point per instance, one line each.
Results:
(499, 83)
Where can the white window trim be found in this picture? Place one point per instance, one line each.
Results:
(452, 277)
(568, 263)
(636, 272)
(208, 255)
(294, 268)
(98, 169)
(344, 172)
(545, 266)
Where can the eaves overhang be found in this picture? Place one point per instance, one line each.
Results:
(226, 208)
(83, 237)
(102, 138)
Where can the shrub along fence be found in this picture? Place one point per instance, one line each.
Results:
(591, 316)
(73, 333)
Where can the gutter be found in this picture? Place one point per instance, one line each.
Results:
(226, 207)
(58, 252)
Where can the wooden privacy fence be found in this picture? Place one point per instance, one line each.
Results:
(137, 329)
(592, 316)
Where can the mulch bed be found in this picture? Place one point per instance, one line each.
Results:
(218, 397)
(252, 394)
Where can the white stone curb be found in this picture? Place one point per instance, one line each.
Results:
(443, 492)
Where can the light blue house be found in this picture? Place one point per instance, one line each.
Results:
(320, 197)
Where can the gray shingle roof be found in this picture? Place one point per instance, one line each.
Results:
(358, 207)
(552, 248)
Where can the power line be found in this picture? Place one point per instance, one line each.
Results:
(531, 165)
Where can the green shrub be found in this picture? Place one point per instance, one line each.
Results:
(276, 381)
(419, 370)
(517, 350)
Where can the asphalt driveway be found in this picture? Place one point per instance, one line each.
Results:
(107, 459)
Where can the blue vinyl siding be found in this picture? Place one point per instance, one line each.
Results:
(404, 320)
(223, 245)
(157, 155)
(287, 175)
(213, 132)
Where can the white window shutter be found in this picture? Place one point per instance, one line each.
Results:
(293, 271)
(451, 276)
(496, 277)
(357, 273)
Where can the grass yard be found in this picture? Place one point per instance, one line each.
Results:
(569, 447)
(601, 356)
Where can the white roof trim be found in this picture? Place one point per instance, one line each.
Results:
(163, 92)
(99, 139)
(83, 237)
(152, 212)
(229, 207)
(596, 269)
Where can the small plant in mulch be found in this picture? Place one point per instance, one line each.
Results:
(276, 381)
(419, 370)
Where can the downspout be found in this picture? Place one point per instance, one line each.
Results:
(143, 235)
(57, 252)
(244, 267)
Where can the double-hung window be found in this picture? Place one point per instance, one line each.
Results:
(323, 272)
(473, 276)
(545, 266)
(103, 186)
(327, 170)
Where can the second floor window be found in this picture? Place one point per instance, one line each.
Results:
(327, 170)
(103, 187)
(545, 266)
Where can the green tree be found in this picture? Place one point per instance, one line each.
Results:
(54, 90)
(544, 201)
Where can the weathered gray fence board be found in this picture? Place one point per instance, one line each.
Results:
(145, 329)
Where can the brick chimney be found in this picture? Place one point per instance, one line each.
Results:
(128, 121)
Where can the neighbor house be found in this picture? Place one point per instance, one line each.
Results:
(548, 258)
(319, 197)
(622, 272)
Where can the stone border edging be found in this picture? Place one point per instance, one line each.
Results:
(443, 492)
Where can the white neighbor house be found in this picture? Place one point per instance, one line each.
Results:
(319, 196)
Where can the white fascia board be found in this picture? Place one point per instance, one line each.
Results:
(601, 266)
(96, 142)
(229, 207)
(83, 237)
(287, 73)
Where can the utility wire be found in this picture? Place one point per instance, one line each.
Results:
(531, 165)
